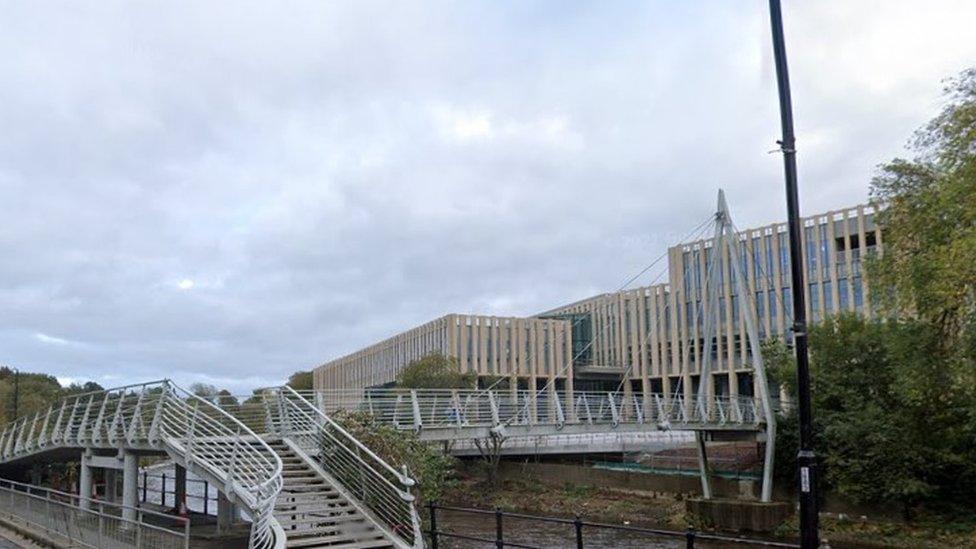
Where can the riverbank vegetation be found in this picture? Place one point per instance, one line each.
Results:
(667, 511)
(894, 397)
(23, 393)
(429, 466)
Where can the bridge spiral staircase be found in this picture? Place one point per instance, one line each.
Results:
(301, 478)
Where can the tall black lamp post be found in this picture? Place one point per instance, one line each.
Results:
(806, 460)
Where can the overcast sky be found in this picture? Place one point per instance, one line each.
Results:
(230, 193)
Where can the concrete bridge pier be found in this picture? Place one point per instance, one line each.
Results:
(179, 474)
(130, 485)
(227, 513)
(85, 480)
(111, 486)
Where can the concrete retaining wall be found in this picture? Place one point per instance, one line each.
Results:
(559, 474)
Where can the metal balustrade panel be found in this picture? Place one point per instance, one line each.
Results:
(58, 514)
(460, 409)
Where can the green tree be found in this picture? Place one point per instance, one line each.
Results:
(435, 371)
(204, 391)
(888, 428)
(224, 398)
(432, 469)
(35, 392)
(781, 372)
(301, 381)
(928, 221)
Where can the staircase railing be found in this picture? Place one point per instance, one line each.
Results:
(384, 492)
(212, 439)
(161, 416)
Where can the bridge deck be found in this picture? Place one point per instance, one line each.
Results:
(463, 414)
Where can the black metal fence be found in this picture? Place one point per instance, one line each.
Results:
(579, 528)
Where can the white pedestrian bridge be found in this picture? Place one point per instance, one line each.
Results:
(466, 414)
(281, 458)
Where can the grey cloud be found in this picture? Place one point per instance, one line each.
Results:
(330, 173)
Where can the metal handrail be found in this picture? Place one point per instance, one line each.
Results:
(368, 479)
(162, 416)
(458, 408)
(92, 525)
(253, 473)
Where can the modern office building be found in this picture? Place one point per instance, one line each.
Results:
(526, 349)
(649, 339)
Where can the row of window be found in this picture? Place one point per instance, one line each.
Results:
(817, 255)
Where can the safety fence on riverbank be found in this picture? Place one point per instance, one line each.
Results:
(577, 530)
(89, 523)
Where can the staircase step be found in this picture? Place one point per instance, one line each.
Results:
(302, 488)
(315, 507)
(296, 478)
(338, 540)
(318, 499)
(285, 519)
(314, 514)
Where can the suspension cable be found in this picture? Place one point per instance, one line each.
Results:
(694, 234)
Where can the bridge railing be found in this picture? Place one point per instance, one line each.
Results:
(96, 525)
(161, 416)
(383, 491)
(443, 408)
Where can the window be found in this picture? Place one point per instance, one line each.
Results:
(744, 380)
(815, 297)
(870, 240)
(757, 257)
(698, 282)
(784, 254)
(858, 293)
(824, 250)
(811, 251)
(744, 259)
(828, 296)
(686, 274)
(721, 384)
(842, 288)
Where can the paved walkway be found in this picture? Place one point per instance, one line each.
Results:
(12, 540)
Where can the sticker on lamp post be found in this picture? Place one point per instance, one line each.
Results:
(805, 479)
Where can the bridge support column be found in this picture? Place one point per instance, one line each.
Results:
(179, 472)
(130, 485)
(627, 410)
(85, 480)
(111, 486)
(551, 397)
(227, 513)
(703, 465)
(569, 402)
(533, 409)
